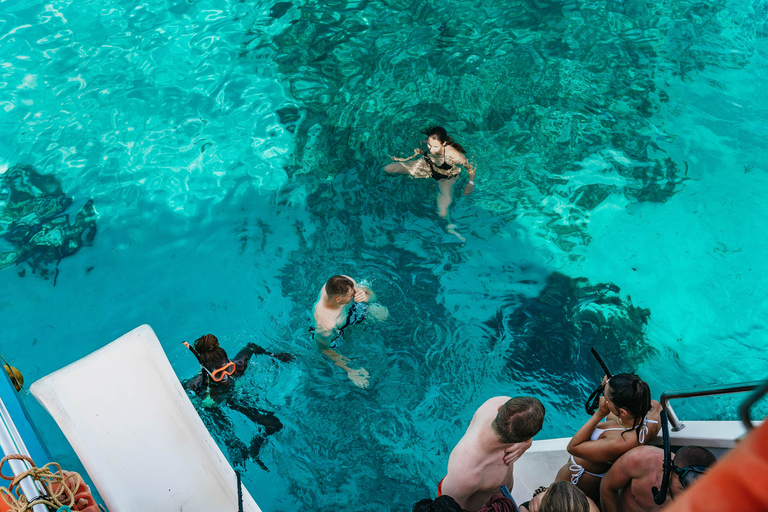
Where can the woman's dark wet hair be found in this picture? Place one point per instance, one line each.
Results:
(564, 497)
(212, 356)
(440, 134)
(630, 392)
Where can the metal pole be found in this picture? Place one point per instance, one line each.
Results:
(722, 389)
(12, 443)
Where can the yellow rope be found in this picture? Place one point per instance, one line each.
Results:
(63, 496)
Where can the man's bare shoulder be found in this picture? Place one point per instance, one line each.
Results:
(325, 318)
(489, 408)
(495, 402)
(645, 457)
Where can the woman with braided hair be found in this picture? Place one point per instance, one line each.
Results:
(216, 379)
(627, 417)
(440, 162)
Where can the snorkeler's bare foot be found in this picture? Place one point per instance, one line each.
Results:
(359, 377)
(451, 228)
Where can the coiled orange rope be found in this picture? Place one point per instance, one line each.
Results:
(60, 486)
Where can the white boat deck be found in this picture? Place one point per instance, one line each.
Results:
(539, 465)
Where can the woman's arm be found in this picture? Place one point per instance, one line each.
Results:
(416, 151)
(602, 450)
(471, 171)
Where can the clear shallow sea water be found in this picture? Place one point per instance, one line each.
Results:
(233, 154)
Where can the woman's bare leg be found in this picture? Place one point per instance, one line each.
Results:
(445, 196)
(444, 200)
(396, 168)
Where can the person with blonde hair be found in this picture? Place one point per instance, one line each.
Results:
(561, 497)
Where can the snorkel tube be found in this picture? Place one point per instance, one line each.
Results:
(660, 495)
(192, 349)
(593, 402)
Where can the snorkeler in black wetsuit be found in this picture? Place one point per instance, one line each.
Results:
(216, 379)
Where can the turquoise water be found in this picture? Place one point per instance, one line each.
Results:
(232, 153)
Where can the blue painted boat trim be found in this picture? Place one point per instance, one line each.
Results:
(24, 425)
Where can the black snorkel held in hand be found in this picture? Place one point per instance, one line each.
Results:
(660, 495)
(192, 349)
(593, 402)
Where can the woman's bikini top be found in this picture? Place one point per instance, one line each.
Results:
(448, 169)
(640, 436)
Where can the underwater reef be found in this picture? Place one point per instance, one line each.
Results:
(554, 332)
(35, 222)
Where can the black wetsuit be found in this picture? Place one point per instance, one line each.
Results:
(223, 393)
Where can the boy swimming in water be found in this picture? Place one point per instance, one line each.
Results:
(342, 303)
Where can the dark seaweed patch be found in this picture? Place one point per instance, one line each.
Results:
(35, 225)
(555, 331)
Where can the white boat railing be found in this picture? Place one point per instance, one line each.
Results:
(719, 389)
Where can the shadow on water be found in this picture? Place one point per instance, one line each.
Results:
(552, 334)
(35, 225)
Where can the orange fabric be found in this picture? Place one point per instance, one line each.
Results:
(738, 482)
(84, 501)
(440, 488)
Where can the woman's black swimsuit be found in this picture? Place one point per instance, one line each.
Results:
(437, 175)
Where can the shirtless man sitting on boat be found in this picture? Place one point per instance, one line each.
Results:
(628, 485)
(501, 430)
(342, 303)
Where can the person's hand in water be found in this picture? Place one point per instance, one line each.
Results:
(515, 451)
(379, 312)
(359, 377)
(417, 151)
(285, 357)
(363, 294)
(469, 188)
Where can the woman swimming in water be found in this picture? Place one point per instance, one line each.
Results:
(441, 163)
(631, 419)
(216, 379)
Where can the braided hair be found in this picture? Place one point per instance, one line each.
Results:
(630, 392)
(212, 356)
